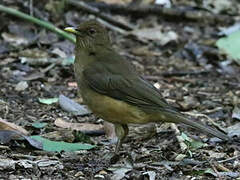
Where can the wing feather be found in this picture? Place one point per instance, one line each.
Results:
(129, 88)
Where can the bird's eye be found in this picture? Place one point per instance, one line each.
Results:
(92, 31)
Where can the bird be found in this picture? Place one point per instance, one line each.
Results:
(114, 91)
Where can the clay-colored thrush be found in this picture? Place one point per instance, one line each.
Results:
(114, 91)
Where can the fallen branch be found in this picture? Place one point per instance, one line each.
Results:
(93, 10)
(169, 13)
(39, 22)
(112, 27)
(183, 73)
(207, 117)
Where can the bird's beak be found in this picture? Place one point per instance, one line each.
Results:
(71, 30)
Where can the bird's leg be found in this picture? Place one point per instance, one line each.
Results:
(121, 132)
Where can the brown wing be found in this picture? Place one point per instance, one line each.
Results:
(127, 87)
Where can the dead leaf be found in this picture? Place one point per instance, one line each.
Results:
(10, 164)
(86, 128)
(21, 86)
(214, 155)
(14, 40)
(8, 135)
(5, 48)
(236, 113)
(7, 164)
(234, 130)
(60, 135)
(225, 31)
(143, 131)
(151, 174)
(218, 6)
(72, 107)
(164, 3)
(120, 173)
(155, 34)
(32, 76)
(72, 84)
(58, 52)
(33, 53)
(144, 51)
(115, 1)
(4, 125)
(47, 37)
(189, 102)
(110, 131)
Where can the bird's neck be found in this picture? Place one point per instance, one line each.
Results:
(86, 56)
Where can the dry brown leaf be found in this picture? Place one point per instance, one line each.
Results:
(4, 125)
(65, 135)
(72, 84)
(83, 127)
(109, 130)
(155, 34)
(143, 131)
(115, 1)
(144, 51)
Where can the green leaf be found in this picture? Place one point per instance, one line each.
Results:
(68, 61)
(197, 144)
(192, 143)
(48, 100)
(185, 137)
(231, 45)
(210, 171)
(39, 125)
(49, 145)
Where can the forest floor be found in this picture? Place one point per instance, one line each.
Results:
(182, 61)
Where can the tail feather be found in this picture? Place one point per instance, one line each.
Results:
(198, 126)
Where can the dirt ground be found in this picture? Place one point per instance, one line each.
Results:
(189, 71)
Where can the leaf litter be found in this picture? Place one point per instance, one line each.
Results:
(189, 49)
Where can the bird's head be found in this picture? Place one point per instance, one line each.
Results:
(90, 35)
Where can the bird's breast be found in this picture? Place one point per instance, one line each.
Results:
(113, 110)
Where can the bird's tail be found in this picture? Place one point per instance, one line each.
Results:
(181, 119)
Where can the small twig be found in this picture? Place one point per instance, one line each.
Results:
(184, 80)
(31, 7)
(187, 161)
(2, 147)
(232, 84)
(221, 167)
(215, 170)
(183, 73)
(117, 29)
(152, 78)
(183, 146)
(112, 27)
(93, 10)
(184, 162)
(206, 116)
(39, 22)
(153, 167)
(230, 159)
(45, 70)
(171, 79)
(170, 74)
(209, 111)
